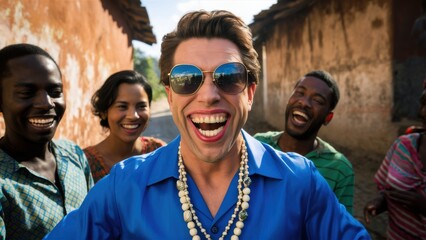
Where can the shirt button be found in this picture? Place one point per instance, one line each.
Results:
(214, 229)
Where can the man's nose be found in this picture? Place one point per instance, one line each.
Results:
(43, 100)
(209, 92)
(305, 101)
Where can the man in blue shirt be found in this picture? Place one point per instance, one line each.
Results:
(214, 181)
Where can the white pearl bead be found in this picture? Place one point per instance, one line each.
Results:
(190, 225)
(234, 237)
(246, 191)
(246, 198)
(244, 205)
(193, 231)
(196, 237)
(237, 231)
(185, 206)
(240, 224)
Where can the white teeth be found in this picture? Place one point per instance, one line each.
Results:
(130, 126)
(41, 121)
(301, 114)
(210, 119)
(210, 133)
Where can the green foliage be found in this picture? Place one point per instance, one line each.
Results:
(148, 66)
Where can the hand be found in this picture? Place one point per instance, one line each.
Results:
(375, 207)
(411, 200)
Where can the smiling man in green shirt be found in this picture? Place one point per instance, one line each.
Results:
(309, 107)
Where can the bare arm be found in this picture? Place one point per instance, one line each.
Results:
(375, 207)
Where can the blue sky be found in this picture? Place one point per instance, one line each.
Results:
(164, 15)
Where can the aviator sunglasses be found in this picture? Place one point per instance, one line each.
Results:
(230, 77)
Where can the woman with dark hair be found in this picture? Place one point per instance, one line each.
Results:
(123, 105)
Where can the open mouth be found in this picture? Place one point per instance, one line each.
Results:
(300, 117)
(130, 126)
(41, 122)
(210, 125)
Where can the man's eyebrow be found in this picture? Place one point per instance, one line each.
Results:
(24, 84)
(30, 84)
(320, 95)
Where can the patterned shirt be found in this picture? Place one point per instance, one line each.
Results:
(332, 165)
(96, 160)
(402, 170)
(30, 204)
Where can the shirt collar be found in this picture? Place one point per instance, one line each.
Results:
(9, 163)
(165, 162)
(14, 165)
(261, 161)
(323, 148)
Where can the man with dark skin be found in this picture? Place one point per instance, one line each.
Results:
(309, 107)
(41, 180)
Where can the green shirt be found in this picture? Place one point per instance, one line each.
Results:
(333, 166)
(31, 205)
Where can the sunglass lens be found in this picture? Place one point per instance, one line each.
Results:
(185, 79)
(231, 77)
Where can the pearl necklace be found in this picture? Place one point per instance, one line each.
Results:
(243, 198)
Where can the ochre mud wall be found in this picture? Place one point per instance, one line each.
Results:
(89, 43)
(350, 39)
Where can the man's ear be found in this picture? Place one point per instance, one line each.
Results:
(328, 118)
(251, 90)
(169, 93)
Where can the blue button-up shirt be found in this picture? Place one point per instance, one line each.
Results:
(138, 200)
